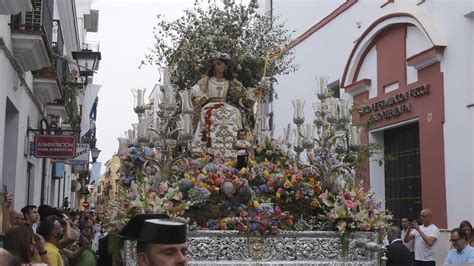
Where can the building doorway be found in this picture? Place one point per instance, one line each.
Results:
(403, 172)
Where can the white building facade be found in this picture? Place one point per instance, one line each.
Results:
(408, 66)
(37, 38)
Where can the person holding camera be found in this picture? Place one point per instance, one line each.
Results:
(425, 237)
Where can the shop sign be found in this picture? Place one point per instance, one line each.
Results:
(82, 154)
(55, 146)
(393, 106)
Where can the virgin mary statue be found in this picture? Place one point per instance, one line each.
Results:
(222, 106)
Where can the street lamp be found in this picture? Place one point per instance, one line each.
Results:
(95, 154)
(87, 61)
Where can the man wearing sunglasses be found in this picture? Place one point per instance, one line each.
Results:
(462, 252)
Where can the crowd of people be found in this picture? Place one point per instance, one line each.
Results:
(45, 235)
(414, 244)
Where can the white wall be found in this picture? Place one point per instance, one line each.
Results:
(327, 50)
(458, 133)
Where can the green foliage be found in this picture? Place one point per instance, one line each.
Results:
(186, 43)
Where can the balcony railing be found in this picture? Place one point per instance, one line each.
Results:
(60, 65)
(39, 20)
(33, 27)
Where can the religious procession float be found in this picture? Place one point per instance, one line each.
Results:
(210, 157)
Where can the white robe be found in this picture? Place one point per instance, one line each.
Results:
(220, 120)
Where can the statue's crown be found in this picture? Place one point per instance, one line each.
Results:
(220, 55)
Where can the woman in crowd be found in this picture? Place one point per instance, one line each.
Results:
(467, 227)
(26, 246)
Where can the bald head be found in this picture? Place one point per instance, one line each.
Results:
(16, 218)
(426, 216)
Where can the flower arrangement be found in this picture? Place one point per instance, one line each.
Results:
(272, 194)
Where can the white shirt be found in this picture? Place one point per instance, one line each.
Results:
(423, 252)
(411, 244)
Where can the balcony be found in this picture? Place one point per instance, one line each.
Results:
(10, 7)
(47, 81)
(32, 36)
(46, 86)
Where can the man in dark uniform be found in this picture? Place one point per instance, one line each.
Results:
(160, 241)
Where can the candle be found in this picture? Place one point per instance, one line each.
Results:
(323, 80)
(345, 114)
(186, 105)
(166, 76)
(122, 145)
(186, 125)
(355, 135)
(141, 128)
(170, 97)
(298, 116)
(308, 131)
(299, 139)
(130, 136)
(286, 133)
(318, 108)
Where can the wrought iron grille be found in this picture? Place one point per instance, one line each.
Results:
(402, 172)
(60, 64)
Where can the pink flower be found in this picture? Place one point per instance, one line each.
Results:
(323, 196)
(132, 195)
(148, 188)
(241, 227)
(298, 195)
(219, 181)
(163, 187)
(347, 195)
(169, 205)
(243, 213)
(178, 196)
(350, 204)
(238, 182)
(332, 217)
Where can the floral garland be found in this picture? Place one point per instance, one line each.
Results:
(272, 194)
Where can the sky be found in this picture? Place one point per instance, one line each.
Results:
(125, 35)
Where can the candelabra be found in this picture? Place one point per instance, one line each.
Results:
(332, 149)
(168, 139)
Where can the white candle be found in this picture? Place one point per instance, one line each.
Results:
(122, 145)
(186, 124)
(345, 109)
(318, 108)
(355, 135)
(141, 128)
(130, 136)
(308, 131)
(166, 76)
(286, 132)
(323, 80)
(186, 105)
(298, 106)
(140, 97)
(299, 139)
